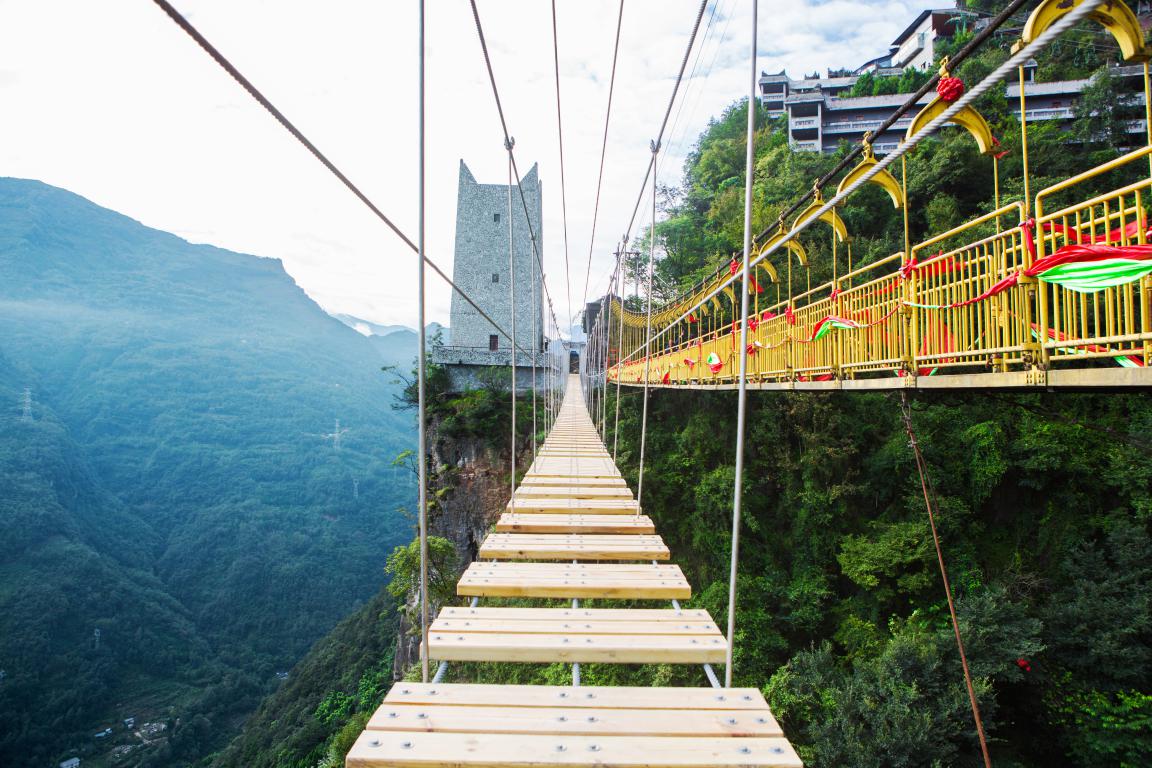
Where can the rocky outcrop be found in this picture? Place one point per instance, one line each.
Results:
(468, 489)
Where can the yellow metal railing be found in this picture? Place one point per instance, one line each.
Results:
(931, 313)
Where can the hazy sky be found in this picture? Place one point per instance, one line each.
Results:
(111, 100)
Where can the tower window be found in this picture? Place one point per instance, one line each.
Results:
(496, 218)
(493, 343)
(495, 277)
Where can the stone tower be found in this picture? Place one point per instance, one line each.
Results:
(481, 269)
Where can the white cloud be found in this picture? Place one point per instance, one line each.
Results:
(114, 102)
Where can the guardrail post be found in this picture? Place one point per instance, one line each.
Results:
(909, 331)
(1037, 304)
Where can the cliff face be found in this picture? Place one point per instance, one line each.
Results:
(469, 488)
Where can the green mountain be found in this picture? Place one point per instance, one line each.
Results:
(201, 487)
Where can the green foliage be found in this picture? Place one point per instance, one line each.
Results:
(443, 569)
(1106, 728)
(323, 706)
(1103, 115)
(908, 81)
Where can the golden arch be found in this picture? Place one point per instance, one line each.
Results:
(967, 118)
(792, 245)
(883, 178)
(769, 270)
(1114, 15)
(829, 217)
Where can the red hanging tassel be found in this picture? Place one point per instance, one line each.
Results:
(949, 89)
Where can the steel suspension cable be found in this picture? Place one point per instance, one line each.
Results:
(287, 124)
(742, 395)
(925, 486)
(647, 335)
(603, 152)
(667, 113)
(511, 154)
(560, 137)
(536, 334)
(421, 367)
(508, 143)
(619, 348)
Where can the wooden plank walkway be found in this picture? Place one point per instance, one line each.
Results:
(573, 530)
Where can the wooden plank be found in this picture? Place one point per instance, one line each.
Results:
(532, 492)
(559, 506)
(574, 720)
(403, 749)
(558, 580)
(636, 569)
(545, 523)
(603, 697)
(638, 625)
(574, 482)
(531, 546)
(607, 472)
(584, 648)
(565, 614)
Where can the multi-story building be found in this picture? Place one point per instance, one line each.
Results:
(481, 268)
(820, 115)
(915, 47)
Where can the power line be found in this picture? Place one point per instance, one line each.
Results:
(255, 93)
(603, 152)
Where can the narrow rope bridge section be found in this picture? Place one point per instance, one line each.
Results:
(573, 531)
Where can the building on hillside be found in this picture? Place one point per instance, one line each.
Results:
(481, 269)
(72, 762)
(915, 47)
(818, 116)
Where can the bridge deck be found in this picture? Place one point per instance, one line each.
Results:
(573, 530)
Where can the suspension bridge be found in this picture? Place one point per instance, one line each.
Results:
(573, 532)
(1050, 290)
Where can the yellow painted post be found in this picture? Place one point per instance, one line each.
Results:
(910, 330)
(1024, 144)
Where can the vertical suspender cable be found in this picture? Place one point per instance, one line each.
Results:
(742, 352)
(603, 148)
(619, 350)
(422, 440)
(508, 144)
(563, 184)
(535, 346)
(647, 332)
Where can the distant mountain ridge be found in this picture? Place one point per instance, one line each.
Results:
(396, 344)
(206, 478)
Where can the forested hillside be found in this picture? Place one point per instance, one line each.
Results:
(202, 485)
